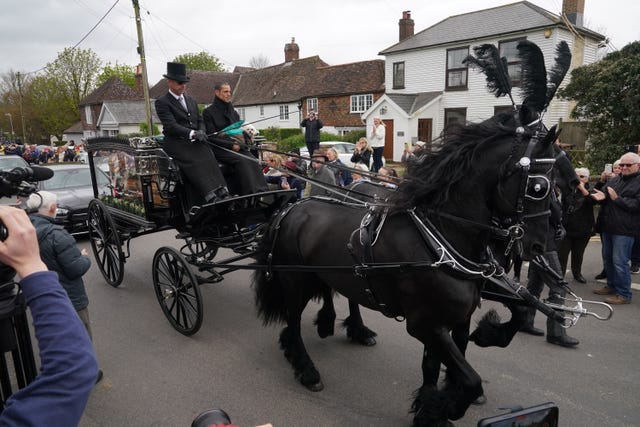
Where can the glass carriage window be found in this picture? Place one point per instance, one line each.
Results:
(398, 75)
(508, 49)
(312, 104)
(361, 103)
(284, 112)
(456, 77)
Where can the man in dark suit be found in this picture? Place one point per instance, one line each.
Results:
(185, 139)
(247, 174)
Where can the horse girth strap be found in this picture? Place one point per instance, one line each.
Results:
(368, 232)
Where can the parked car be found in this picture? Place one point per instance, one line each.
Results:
(345, 150)
(71, 183)
(10, 161)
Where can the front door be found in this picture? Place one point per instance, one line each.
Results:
(388, 139)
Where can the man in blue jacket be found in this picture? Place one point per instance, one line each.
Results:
(68, 367)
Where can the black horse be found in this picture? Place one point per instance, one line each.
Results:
(426, 263)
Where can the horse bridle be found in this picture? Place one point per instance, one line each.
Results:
(537, 183)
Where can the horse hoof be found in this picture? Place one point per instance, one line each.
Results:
(367, 341)
(481, 400)
(315, 386)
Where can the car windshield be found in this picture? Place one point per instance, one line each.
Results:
(72, 178)
(7, 163)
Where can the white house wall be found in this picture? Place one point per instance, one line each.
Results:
(425, 72)
(267, 120)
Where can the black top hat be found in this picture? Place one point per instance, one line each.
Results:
(176, 71)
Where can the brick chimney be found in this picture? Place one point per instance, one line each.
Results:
(291, 51)
(406, 25)
(574, 11)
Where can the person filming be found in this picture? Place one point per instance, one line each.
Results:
(68, 366)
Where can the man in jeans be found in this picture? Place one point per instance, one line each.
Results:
(620, 199)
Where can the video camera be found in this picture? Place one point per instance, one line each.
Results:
(14, 327)
(20, 182)
(632, 149)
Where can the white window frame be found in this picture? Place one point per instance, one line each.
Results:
(284, 112)
(87, 114)
(262, 111)
(312, 104)
(241, 113)
(361, 103)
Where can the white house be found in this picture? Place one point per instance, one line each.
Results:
(429, 87)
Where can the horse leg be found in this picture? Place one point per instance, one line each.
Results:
(326, 317)
(356, 330)
(464, 384)
(291, 339)
(492, 333)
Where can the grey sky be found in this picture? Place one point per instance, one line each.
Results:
(33, 32)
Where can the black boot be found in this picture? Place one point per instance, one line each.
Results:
(528, 327)
(563, 340)
(602, 275)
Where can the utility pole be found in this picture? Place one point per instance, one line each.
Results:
(143, 62)
(24, 132)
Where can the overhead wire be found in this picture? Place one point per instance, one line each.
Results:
(83, 37)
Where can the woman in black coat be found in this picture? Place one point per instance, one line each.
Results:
(579, 224)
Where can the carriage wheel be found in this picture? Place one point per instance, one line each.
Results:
(105, 243)
(177, 291)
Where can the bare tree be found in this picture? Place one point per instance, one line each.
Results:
(259, 61)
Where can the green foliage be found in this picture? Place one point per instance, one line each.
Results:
(200, 61)
(126, 73)
(354, 136)
(277, 134)
(56, 93)
(607, 95)
(291, 142)
(144, 129)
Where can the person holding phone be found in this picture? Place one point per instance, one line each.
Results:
(312, 125)
(620, 204)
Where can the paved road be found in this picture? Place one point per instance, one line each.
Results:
(156, 377)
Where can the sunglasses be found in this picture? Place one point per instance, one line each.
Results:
(626, 165)
(583, 176)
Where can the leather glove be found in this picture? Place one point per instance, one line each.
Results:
(560, 233)
(200, 136)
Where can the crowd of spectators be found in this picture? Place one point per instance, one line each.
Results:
(43, 154)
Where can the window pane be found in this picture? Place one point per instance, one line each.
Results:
(455, 57)
(457, 78)
(398, 74)
(509, 50)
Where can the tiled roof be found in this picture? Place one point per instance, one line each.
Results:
(129, 112)
(111, 90)
(510, 18)
(280, 83)
(75, 128)
(294, 80)
(200, 85)
(413, 102)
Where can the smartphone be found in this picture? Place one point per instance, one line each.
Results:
(608, 168)
(407, 146)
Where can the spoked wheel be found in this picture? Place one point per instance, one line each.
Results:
(105, 243)
(177, 291)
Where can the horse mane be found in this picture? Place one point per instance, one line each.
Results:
(430, 178)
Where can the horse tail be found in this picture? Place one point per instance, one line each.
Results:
(269, 291)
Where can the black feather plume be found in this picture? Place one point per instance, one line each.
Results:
(559, 70)
(534, 76)
(488, 60)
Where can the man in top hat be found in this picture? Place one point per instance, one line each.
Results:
(185, 139)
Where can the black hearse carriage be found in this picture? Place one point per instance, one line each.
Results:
(148, 194)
